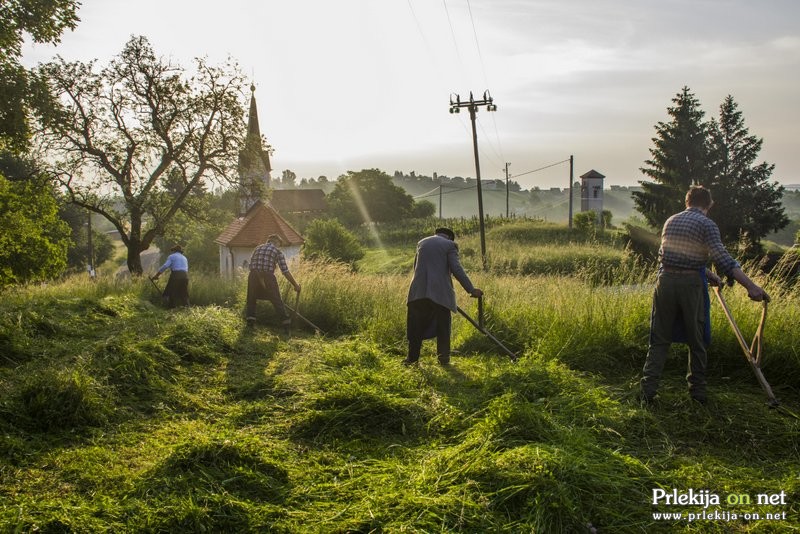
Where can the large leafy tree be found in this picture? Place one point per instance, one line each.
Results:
(44, 21)
(679, 159)
(368, 196)
(34, 239)
(746, 205)
(133, 140)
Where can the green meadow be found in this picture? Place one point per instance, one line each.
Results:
(121, 416)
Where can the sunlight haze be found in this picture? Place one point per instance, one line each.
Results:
(360, 84)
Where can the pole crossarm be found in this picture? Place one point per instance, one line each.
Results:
(472, 104)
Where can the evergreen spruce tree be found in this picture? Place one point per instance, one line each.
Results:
(746, 205)
(680, 158)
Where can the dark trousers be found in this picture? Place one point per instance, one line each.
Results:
(262, 285)
(421, 315)
(177, 289)
(677, 297)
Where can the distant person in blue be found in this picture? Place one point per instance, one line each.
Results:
(177, 289)
(680, 299)
(431, 297)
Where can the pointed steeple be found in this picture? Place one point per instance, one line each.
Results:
(254, 164)
(253, 131)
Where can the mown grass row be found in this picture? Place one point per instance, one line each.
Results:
(313, 435)
(120, 416)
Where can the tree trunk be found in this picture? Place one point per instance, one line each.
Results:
(134, 258)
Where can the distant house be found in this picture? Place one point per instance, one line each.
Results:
(243, 235)
(299, 205)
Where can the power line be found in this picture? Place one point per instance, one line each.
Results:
(453, 34)
(497, 153)
(482, 151)
(419, 28)
(485, 79)
(428, 193)
(540, 168)
(477, 45)
(458, 190)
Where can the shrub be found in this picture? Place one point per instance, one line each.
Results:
(606, 216)
(585, 221)
(329, 239)
(423, 209)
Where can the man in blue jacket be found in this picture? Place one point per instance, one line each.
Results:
(431, 297)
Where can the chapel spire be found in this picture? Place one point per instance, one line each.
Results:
(253, 130)
(254, 164)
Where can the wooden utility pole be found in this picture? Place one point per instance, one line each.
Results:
(90, 245)
(472, 106)
(440, 202)
(507, 164)
(571, 170)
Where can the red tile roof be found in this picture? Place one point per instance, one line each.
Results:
(258, 223)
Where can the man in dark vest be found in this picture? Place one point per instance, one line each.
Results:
(262, 283)
(431, 297)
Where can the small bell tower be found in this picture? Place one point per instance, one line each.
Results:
(254, 165)
(592, 193)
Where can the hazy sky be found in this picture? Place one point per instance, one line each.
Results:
(352, 84)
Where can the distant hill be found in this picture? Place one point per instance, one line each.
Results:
(460, 200)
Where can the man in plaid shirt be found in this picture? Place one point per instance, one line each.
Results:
(262, 283)
(688, 240)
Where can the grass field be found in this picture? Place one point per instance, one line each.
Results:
(121, 416)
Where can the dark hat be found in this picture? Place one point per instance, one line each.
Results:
(176, 248)
(446, 231)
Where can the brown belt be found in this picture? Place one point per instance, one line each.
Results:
(676, 270)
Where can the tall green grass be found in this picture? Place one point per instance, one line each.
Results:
(117, 415)
(590, 326)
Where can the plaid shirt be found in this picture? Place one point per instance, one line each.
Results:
(688, 240)
(265, 257)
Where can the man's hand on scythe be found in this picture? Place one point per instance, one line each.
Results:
(713, 279)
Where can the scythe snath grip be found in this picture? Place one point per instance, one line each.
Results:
(753, 358)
